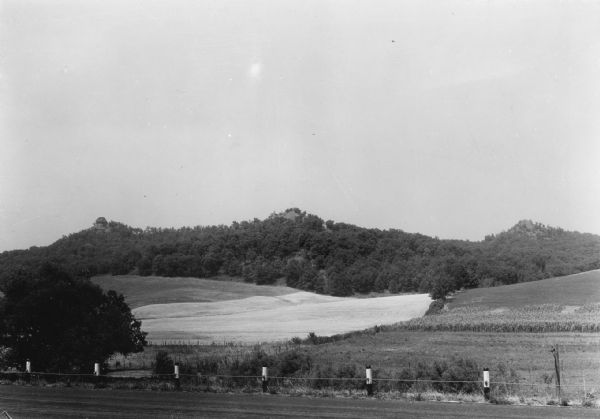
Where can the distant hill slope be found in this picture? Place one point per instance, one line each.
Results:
(572, 290)
(307, 253)
(567, 304)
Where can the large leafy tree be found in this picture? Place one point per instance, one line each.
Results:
(62, 323)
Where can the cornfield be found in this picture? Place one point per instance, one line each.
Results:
(530, 319)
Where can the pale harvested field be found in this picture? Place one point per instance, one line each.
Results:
(272, 318)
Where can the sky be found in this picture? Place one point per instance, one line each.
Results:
(451, 118)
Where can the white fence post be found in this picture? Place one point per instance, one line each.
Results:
(176, 374)
(486, 384)
(265, 379)
(369, 376)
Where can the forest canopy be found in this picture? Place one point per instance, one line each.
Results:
(308, 253)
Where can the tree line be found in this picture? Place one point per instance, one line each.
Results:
(305, 252)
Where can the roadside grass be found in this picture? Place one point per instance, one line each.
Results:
(391, 351)
(206, 384)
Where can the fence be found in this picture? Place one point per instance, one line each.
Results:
(274, 384)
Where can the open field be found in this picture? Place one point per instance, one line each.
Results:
(523, 358)
(206, 311)
(261, 319)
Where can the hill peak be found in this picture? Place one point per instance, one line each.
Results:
(527, 226)
(532, 229)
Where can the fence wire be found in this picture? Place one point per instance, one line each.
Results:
(205, 382)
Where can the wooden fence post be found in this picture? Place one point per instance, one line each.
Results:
(369, 376)
(265, 379)
(555, 353)
(486, 384)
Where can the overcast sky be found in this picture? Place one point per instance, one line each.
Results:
(450, 118)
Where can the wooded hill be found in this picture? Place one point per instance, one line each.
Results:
(315, 255)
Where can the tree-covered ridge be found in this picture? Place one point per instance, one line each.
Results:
(316, 255)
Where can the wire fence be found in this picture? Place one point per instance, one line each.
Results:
(216, 382)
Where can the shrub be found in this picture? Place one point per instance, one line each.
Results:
(508, 378)
(5, 355)
(315, 339)
(250, 366)
(163, 363)
(502, 400)
(435, 307)
(463, 375)
(403, 376)
(292, 363)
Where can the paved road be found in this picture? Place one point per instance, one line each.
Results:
(37, 402)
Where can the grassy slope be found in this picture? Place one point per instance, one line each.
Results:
(527, 353)
(144, 290)
(571, 290)
(393, 349)
(568, 304)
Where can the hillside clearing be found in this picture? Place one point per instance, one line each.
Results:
(260, 319)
